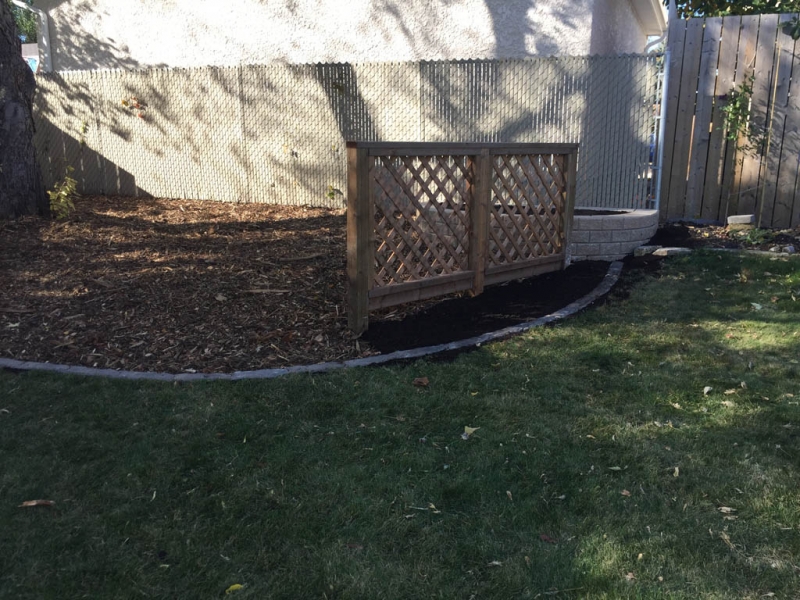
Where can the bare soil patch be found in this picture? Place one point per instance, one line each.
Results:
(190, 286)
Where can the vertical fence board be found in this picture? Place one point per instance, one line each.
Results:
(749, 192)
(788, 203)
(685, 118)
(717, 143)
(745, 59)
(705, 103)
(780, 174)
(676, 38)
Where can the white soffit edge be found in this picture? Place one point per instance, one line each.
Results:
(652, 15)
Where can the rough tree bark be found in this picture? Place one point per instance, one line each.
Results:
(21, 189)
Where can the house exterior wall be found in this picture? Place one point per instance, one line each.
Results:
(616, 29)
(93, 34)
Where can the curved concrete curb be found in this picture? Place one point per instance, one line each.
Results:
(602, 289)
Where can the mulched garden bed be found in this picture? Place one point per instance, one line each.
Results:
(181, 286)
(687, 235)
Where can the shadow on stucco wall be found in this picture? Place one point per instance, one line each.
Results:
(516, 36)
(73, 46)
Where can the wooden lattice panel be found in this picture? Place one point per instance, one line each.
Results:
(421, 216)
(526, 208)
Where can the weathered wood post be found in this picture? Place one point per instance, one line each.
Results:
(481, 191)
(570, 172)
(359, 232)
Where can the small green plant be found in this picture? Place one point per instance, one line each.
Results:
(737, 113)
(84, 128)
(756, 236)
(333, 192)
(62, 196)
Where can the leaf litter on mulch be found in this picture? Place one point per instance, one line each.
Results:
(184, 286)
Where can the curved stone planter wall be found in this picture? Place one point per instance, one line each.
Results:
(610, 236)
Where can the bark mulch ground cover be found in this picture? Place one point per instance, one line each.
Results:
(184, 286)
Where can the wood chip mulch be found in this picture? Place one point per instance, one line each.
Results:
(197, 286)
(178, 286)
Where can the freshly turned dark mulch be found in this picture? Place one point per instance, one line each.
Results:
(499, 306)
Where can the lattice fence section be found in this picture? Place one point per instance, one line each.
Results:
(429, 219)
(276, 133)
(527, 207)
(421, 216)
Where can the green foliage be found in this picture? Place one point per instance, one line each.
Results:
(26, 22)
(722, 8)
(333, 192)
(738, 126)
(62, 196)
(756, 236)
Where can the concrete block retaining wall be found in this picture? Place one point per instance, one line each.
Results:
(610, 236)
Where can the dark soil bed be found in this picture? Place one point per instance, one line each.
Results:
(177, 286)
(687, 235)
(499, 306)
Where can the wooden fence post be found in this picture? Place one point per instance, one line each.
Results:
(479, 217)
(571, 173)
(359, 233)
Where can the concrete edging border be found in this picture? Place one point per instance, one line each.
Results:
(610, 278)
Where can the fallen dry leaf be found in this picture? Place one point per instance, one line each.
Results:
(220, 298)
(495, 563)
(468, 431)
(676, 472)
(630, 576)
(726, 510)
(728, 404)
(625, 493)
(421, 382)
(30, 503)
(730, 391)
(234, 588)
(510, 497)
(707, 390)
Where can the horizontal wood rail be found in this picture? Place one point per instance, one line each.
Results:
(429, 219)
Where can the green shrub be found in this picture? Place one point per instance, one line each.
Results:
(62, 196)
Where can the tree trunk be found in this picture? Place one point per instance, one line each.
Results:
(21, 189)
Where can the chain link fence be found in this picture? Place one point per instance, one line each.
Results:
(276, 133)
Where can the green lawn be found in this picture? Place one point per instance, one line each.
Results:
(600, 468)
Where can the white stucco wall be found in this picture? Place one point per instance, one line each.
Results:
(616, 29)
(90, 34)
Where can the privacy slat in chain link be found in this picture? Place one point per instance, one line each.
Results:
(276, 133)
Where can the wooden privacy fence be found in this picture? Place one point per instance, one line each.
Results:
(425, 219)
(703, 177)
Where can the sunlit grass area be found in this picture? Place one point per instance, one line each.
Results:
(647, 448)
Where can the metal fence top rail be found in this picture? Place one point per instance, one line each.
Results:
(442, 148)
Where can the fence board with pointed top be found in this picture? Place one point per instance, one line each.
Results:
(426, 220)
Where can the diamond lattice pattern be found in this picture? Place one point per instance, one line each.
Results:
(527, 207)
(421, 216)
